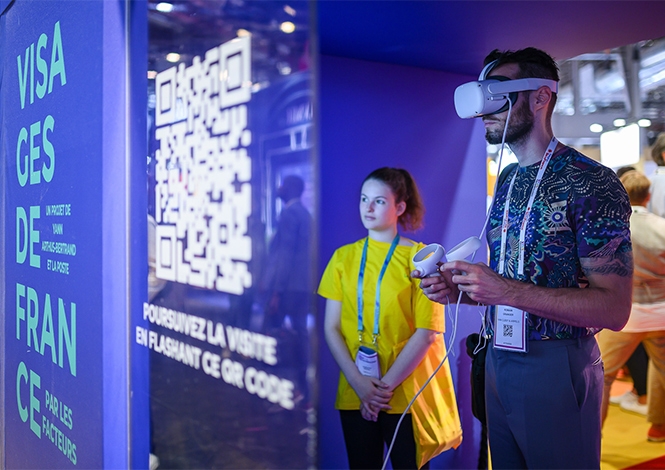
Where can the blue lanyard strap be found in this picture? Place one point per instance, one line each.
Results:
(361, 279)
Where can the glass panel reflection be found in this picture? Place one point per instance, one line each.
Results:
(231, 207)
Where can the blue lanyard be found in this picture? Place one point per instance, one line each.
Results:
(377, 301)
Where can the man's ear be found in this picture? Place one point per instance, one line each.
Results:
(543, 95)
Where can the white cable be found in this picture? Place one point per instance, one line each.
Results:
(483, 319)
(451, 343)
(483, 338)
(496, 182)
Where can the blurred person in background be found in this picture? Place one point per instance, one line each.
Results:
(287, 283)
(646, 324)
(657, 202)
(636, 366)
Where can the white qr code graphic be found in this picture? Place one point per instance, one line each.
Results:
(203, 192)
(508, 331)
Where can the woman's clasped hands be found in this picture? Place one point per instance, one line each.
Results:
(374, 396)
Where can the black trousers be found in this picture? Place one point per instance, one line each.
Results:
(638, 364)
(366, 441)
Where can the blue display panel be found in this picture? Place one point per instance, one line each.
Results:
(51, 132)
(230, 319)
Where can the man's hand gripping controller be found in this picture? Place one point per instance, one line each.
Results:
(427, 259)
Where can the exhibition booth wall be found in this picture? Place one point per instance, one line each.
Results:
(71, 237)
(94, 373)
(374, 115)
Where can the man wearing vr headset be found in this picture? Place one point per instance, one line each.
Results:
(560, 270)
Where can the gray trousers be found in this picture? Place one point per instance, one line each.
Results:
(543, 406)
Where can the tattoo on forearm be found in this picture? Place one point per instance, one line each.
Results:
(621, 264)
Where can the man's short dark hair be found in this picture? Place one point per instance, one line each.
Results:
(532, 62)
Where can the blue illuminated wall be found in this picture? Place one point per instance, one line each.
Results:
(375, 115)
(53, 362)
(67, 189)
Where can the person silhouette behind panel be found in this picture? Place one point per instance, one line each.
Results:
(287, 282)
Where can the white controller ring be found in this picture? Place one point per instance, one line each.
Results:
(427, 259)
(464, 249)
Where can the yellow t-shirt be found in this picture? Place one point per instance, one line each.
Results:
(403, 308)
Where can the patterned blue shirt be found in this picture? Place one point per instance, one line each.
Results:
(581, 210)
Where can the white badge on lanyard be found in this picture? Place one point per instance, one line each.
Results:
(367, 362)
(510, 329)
(510, 322)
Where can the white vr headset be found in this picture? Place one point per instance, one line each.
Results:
(490, 96)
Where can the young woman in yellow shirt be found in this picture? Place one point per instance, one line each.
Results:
(386, 336)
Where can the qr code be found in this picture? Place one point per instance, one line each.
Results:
(508, 330)
(203, 192)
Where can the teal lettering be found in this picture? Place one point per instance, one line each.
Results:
(21, 235)
(57, 59)
(21, 373)
(35, 382)
(47, 171)
(32, 73)
(39, 325)
(35, 260)
(35, 130)
(41, 66)
(31, 236)
(20, 311)
(27, 165)
(48, 73)
(67, 335)
(22, 173)
(33, 318)
(23, 74)
(48, 338)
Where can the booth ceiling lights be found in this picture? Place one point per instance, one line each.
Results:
(164, 7)
(287, 27)
(279, 32)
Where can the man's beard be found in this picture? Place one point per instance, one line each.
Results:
(520, 126)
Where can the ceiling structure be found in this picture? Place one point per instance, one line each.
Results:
(602, 46)
(610, 53)
(455, 36)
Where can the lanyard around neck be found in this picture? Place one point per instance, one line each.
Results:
(361, 278)
(506, 210)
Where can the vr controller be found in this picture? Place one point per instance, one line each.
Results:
(490, 95)
(427, 259)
